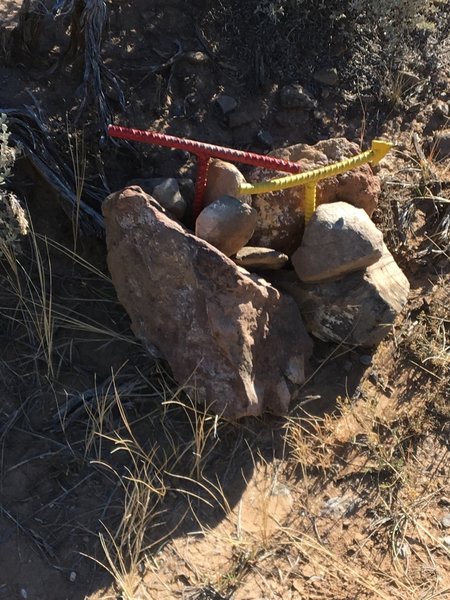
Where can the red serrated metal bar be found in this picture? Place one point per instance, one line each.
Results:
(204, 152)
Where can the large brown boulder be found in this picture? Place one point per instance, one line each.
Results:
(281, 214)
(236, 344)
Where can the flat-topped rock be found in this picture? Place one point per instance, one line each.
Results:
(259, 259)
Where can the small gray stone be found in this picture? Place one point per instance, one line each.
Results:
(148, 184)
(365, 359)
(295, 96)
(265, 138)
(337, 506)
(327, 76)
(446, 520)
(226, 103)
(339, 239)
(227, 223)
(167, 193)
(254, 258)
(446, 541)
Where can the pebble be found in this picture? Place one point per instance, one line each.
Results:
(336, 506)
(404, 551)
(365, 359)
(446, 541)
(72, 576)
(24, 593)
(226, 103)
(446, 520)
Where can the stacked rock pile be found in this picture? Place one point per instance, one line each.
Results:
(227, 306)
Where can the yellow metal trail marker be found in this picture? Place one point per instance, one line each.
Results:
(378, 150)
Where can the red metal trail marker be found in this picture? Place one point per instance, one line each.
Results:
(204, 152)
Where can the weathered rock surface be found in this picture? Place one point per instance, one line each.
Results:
(338, 239)
(224, 179)
(239, 347)
(358, 309)
(259, 259)
(227, 224)
(167, 193)
(295, 96)
(281, 214)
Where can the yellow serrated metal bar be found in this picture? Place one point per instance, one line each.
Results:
(378, 150)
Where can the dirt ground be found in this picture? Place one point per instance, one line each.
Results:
(112, 484)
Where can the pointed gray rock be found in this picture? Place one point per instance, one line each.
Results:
(167, 193)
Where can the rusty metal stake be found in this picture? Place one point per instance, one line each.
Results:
(204, 152)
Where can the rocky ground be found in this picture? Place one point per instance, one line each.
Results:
(115, 483)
